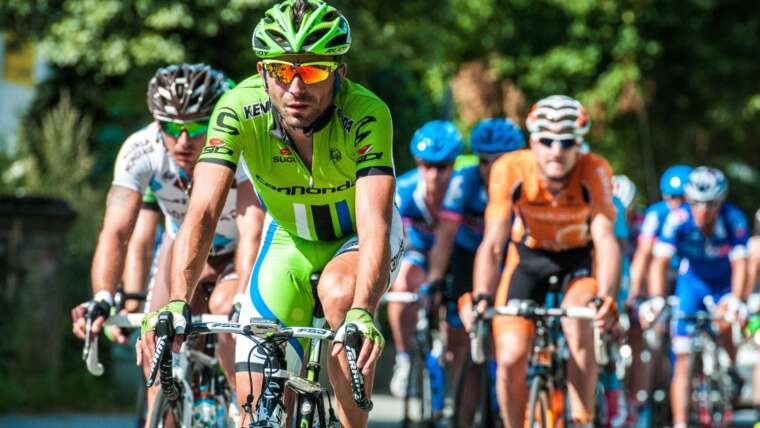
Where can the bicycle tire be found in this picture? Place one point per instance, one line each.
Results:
(418, 391)
(538, 410)
(483, 415)
(696, 384)
(161, 406)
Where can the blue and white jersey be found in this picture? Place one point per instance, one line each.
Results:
(622, 232)
(418, 220)
(708, 257)
(465, 201)
(654, 218)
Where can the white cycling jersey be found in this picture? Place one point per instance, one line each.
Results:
(145, 165)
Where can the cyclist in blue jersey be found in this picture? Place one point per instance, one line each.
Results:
(623, 196)
(672, 184)
(710, 236)
(459, 233)
(419, 197)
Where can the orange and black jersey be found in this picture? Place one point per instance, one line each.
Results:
(543, 220)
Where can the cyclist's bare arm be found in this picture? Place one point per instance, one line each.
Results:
(122, 206)
(445, 232)
(211, 183)
(753, 268)
(607, 253)
(374, 209)
(739, 283)
(657, 274)
(250, 220)
(639, 265)
(490, 255)
(140, 254)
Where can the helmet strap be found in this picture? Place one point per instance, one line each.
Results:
(336, 85)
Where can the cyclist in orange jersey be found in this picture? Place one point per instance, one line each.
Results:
(552, 204)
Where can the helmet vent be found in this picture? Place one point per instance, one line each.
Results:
(314, 37)
(337, 41)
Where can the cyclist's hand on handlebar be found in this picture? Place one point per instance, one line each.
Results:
(181, 318)
(649, 310)
(116, 334)
(606, 312)
(96, 309)
(731, 308)
(373, 338)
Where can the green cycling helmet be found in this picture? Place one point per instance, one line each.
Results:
(301, 26)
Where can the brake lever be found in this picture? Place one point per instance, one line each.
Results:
(90, 351)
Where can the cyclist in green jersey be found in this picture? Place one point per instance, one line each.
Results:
(318, 148)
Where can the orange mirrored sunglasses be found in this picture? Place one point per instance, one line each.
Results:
(309, 72)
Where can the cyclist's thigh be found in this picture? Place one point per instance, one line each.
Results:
(580, 291)
(515, 283)
(279, 289)
(411, 272)
(159, 294)
(691, 291)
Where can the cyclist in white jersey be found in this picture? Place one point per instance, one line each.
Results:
(159, 160)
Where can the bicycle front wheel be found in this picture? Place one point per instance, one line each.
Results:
(698, 414)
(539, 412)
(166, 413)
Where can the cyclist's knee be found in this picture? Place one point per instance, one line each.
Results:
(220, 303)
(512, 350)
(336, 292)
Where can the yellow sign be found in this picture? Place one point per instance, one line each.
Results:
(18, 62)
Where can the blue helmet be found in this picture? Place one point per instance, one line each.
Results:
(438, 141)
(673, 180)
(496, 136)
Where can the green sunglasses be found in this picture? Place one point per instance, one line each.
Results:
(174, 129)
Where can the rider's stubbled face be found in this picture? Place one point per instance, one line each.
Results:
(300, 104)
(554, 162)
(184, 149)
(436, 178)
(705, 215)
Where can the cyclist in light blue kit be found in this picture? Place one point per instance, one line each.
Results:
(710, 236)
(419, 196)
(458, 236)
(672, 184)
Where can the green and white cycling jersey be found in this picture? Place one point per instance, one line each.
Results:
(352, 139)
(145, 165)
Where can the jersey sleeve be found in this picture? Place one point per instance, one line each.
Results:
(454, 200)
(737, 224)
(501, 182)
(600, 186)
(149, 200)
(621, 224)
(224, 141)
(372, 137)
(133, 168)
(667, 239)
(650, 226)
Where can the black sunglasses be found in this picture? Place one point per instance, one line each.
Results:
(438, 166)
(567, 143)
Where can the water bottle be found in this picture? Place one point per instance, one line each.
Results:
(204, 409)
(437, 375)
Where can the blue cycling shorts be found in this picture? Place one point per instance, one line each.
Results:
(691, 291)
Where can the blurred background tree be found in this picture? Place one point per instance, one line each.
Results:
(664, 82)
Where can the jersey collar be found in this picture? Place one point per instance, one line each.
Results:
(278, 131)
